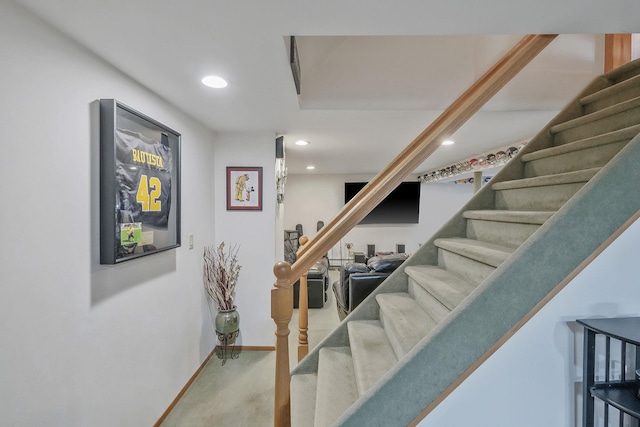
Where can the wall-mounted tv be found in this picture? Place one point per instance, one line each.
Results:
(401, 206)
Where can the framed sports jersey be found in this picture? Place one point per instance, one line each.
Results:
(139, 184)
(244, 188)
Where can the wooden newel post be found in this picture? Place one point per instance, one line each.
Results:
(303, 309)
(281, 312)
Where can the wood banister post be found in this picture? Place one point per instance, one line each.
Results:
(303, 309)
(617, 50)
(281, 312)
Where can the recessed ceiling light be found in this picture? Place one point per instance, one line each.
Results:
(302, 142)
(448, 142)
(214, 81)
(310, 168)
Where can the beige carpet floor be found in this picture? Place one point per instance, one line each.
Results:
(240, 392)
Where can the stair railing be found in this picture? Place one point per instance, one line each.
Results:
(376, 190)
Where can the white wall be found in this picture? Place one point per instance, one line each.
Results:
(311, 198)
(85, 344)
(535, 379)
(253, 231)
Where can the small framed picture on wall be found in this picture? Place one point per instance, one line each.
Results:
(244, 188)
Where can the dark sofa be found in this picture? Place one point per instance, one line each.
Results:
(317, 285)
(358, 280)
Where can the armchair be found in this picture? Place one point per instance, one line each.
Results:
(358, 280)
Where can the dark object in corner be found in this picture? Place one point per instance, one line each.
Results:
(317, 285)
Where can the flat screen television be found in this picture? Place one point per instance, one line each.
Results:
(401, 206)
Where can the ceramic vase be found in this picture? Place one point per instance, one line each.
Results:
(227, 321)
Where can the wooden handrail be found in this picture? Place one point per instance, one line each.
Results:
(303, 309)
(388, 179)
(420, 148)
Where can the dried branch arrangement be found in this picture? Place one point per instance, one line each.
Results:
(220, 274)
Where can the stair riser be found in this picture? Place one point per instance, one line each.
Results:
(335, 366)
(472, 271)
(400, 348)
(621, 76)
(615, 98)
(506, 234)
(598, 127)
(303, 409)
(570, 162)
(404, 321)
(431, 305)
(545, 198)
(371, 351)
(395, 344)
(485, 253)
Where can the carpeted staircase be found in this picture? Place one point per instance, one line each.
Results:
(486, 271)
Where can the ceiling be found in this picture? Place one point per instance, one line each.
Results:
(374, 73)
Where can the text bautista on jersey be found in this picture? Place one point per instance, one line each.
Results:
(147, 158)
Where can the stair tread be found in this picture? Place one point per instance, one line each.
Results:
(303, 399)
(606, 138)
(446, 287)
(371, 350)
(335, 366)
(487, 253)
(436, 310)
(404, 320)
(613, 89)
(503, 215)
(600, 114)
(540, 181)
(622, 70)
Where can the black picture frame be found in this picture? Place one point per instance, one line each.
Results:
(294, 62)
(139, 184)
(244, 188)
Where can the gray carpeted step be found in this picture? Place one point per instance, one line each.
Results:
(624, 72)
(437, 311)
(482, 252)
(468, 269)
(505, 228)
(404, 320)
(578, 155)
(371, 351)
(303, 407)
(433, 283)
(336, 389)
(548, 180)
(609, 119)
(506, 234)
(623, 91)
(544, 193)
(523, 217)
